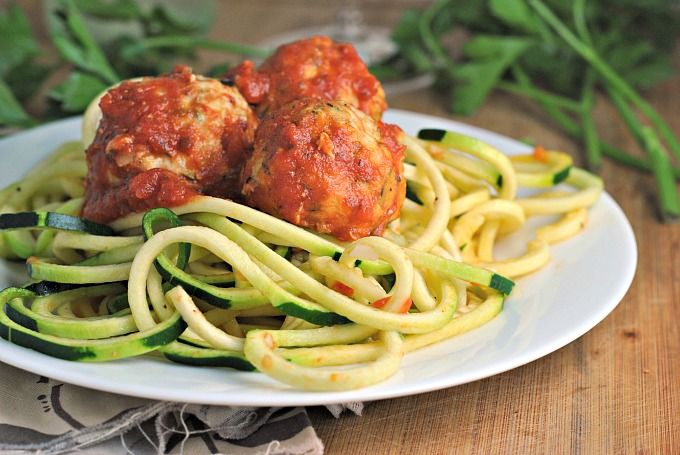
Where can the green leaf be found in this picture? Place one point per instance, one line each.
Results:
(75, 43)
(119, 9)
(417, 57)
(489, 57)
(16, 42)
(470, 13)
(639, 63)
(11, 112)
(77, 91)
(515, 13)
(492, 47)
(625, 56)
(26, 78)
(406, 31)
(180, 16)
(650, 73)
(554, 68)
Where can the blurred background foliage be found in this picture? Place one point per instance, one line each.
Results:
(470, 47)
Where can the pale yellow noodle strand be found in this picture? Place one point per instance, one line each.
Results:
(442, 205)
(260, 350)
(537, 255)
(469, 201)
(567, 226)
(590, 187)
(487, 237)
(197, 321)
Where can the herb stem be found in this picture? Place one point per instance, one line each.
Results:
(632, 161)
(430, 40)
(539, 94)
(579, 12)
(628, 116)
(575, 130)
(190, 42)
(608, 74)
(590, 137)
(552, 109)
(669, 203)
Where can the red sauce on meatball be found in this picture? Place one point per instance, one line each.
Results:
(316, 67)
(164, 140)
(327, 166)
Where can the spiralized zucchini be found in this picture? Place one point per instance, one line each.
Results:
(216, 283)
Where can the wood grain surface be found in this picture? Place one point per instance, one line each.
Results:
(615, 390)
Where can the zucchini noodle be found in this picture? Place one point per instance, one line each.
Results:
(216, 283)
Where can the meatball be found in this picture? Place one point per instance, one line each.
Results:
(162, 140)
(316, 67)
(327, 166)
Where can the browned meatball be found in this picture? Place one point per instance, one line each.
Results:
(327, 166)
(316, 67)
(162, 140)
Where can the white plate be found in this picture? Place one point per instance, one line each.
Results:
(586, 278)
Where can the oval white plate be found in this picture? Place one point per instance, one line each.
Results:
(586, 278)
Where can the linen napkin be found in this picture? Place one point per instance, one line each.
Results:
(41, 415)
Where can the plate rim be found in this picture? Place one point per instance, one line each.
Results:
(9, 353)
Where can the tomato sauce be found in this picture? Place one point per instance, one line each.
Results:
(162, 141)
(313, 68)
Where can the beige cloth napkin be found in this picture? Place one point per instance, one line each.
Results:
(41, 415)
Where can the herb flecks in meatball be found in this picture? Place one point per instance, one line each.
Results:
(316, 67)
(162, 140)
(327, 166)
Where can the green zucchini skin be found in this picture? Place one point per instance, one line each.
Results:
(161, 213)
(173, 275)
(186, 354)
(39, 269)
(234, 298)
(216, 280)
(461, 270)
(430, 134)
(411, 195)
(84, 350)
(315, 317)
(52, 287)
(84, 329)
(52, 220)
(562, 175)
(501, 284)
(118, 303)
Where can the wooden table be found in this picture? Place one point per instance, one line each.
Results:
(614, 390)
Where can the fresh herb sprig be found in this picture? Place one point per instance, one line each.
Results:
(563, 55)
